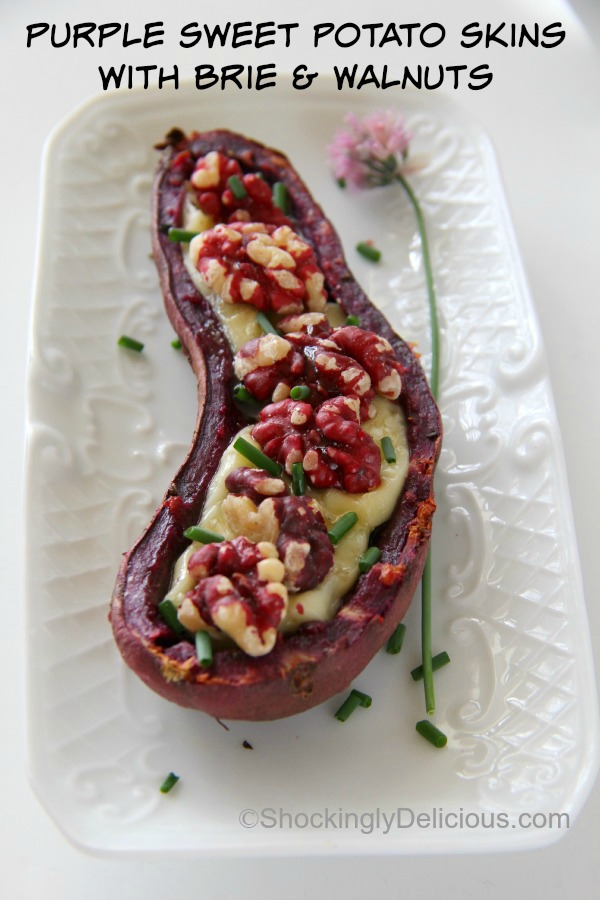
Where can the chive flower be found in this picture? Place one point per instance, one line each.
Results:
(367, 152)
(372, 152)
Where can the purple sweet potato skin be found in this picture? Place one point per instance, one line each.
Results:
(321, 659)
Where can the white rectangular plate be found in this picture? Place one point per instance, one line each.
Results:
(109, 428)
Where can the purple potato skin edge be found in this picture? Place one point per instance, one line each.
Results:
(321, 658)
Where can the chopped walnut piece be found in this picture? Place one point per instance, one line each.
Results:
(334, 449)
(375, 355)
(295, 546)
(207, 173)
(303, 543)
(189, 616)
(270, 569)
(280, 438)
(242, 586)
(281, 392)
(209, 185)
(348, 361)
(266, 266)
(254, 483)
(259, 523)
(239, 592)
(313, 323)
(350, 448)
(274, 363)
(267, 364)
(262, 352)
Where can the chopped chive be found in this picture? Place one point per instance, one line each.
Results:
(181, 236)
(342, 526)
(168, 613)
(195, 533)
(368, 559)
(242, 395)
(169, 782)
(352, 320)
(363, 699)
(437, 662)
(130, 343)
(176, 344)
(347, 708)
(204, 650)
(300, 392)
(341, 183)
(352, 702)
(369, 252)
(432, 734)
(388, 449)
(245, 448)
(280, 196)
(298, 479)
(264, 323)
(394, 645)
(250, 405)
(236, 186)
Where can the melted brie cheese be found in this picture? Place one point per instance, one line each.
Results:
(372, 508)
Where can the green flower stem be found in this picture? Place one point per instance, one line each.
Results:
(426, 629)
(434, 384)
(434, 381)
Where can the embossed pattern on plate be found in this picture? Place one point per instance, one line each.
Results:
(108, 428)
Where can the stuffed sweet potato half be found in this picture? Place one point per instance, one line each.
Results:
(272, 580)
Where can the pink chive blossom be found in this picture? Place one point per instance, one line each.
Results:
(370, 151)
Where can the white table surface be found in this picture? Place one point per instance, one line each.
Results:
(542, 112)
